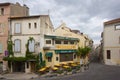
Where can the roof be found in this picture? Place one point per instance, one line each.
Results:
(75, 31)
(23, 17)
(5, 4)
(112, 21)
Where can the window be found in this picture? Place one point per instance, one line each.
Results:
(74, 56)
(17, 28)
(29, 24)
(32, 46)
(66, 57)
(117, 27)
(27, 64)
(2, 11)
(49, 59)
(108, 54)
(1, 28)
(56, 58)
(35, 25)
(48, 41)
(57, 42)
(71, 42)
(1, 48)
(17, 45)
(65, 42)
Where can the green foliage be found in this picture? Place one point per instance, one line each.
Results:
(14, 59)
(10, 46)
(78, 67)
(38, 64)
(83, 52)
(29, 54)
(59, 71)
(69, 69)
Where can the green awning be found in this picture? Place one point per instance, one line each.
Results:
(65, 51)
(49, 54)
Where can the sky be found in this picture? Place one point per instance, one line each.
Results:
(87, 16)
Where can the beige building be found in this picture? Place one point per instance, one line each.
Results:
(8, 10)
(22, 28)
(111, 42)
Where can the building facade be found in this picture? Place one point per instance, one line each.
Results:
(8, 10)
(59, 49)
(24, 28)
(84, 40)
(111, 42)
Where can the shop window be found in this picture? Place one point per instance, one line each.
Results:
(108, 54)
(48, 41)
(49, 59)
(66, 57)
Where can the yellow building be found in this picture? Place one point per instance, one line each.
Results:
(58, 49)
(63, 30)
(84, 40)
(61, 47)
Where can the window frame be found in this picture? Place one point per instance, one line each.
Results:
(59, 41)
(2, 11)
(18, 51)
(33, 46)
(65, 42)
(15, 31)
(29, 25)
(35, 25)
(117, 27)
(48, 40)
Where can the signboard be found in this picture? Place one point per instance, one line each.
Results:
(66, 47)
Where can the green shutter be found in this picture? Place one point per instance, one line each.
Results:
(49, 54)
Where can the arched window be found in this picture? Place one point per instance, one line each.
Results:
(17, 47)
(32, 46)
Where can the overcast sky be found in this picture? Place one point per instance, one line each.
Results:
(84, 15)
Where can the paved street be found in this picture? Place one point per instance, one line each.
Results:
(96, 72)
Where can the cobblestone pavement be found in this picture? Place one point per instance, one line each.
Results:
(96, 71)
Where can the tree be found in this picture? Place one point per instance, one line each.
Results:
(83, 52)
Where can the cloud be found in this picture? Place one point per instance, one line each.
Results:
(87, 16)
